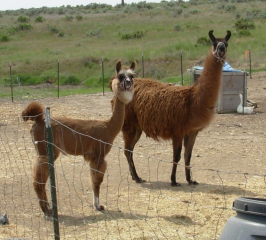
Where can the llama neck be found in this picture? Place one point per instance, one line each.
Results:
(116, 122)
(207, 91)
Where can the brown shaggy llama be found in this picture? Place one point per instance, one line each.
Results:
(174, 112)
(90, 138)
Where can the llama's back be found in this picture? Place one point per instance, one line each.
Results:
(158, 109)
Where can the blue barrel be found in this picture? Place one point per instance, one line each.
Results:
(249, 222)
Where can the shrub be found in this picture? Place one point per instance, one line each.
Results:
(53, 29)
(72, 80)
(230, 8)
(23, 27)
(39, 19)
(244, 32)
(79, 17)
(194, 11)
(244, 24)
(176, 12)
(238, 15)
(94, 33)
(23, 19)
(61, 34)
(204, 41)
(263, 14)
(4, 37)
(68, 18)
(133, 35)
(177, 27)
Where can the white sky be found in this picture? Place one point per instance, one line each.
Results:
(14, 5)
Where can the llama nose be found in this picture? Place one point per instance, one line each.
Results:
(128, 83)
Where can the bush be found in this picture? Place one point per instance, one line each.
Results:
(4, 37)
(23, 27)
(134, 35)
(94, 33)
(23, 19)
(53, 29)
(61, 34)
(238, 15)
(177, 27)
(39, 19)
(244, 32)
(244, 24)
(79, 17)
(230, 8)
(204, 41)
(71, 80)
(68, 18)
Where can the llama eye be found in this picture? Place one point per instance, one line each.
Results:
(121, 77)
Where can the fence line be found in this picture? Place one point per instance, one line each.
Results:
(13, 83)
(149, 210)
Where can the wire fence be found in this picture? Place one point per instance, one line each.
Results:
(226, 162)
(12, 87)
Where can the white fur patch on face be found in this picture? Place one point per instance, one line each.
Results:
(127, 71)
(126, 96)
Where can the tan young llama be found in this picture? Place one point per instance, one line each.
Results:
(174, 112)
(90, 138)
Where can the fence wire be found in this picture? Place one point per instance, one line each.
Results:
(151, 210)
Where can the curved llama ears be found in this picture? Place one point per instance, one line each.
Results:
(119, 66)
(213, 39)
(228, 35)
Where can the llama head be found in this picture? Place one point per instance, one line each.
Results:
(122, 84)
(219, 45)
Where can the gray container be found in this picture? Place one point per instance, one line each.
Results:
(249, 222)
(232, 83)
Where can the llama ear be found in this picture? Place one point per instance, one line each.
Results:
(133, 65)
(228, 35)
(118, 66)
(213, 39)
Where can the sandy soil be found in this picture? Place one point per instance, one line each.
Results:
(228, 161)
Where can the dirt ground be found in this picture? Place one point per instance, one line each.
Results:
(228, 161)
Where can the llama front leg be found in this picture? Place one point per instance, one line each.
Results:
(40, 176)
(130, 140)
(177, 148)
(189, 142)
(97, 170)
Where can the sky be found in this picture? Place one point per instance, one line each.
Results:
(14, 5)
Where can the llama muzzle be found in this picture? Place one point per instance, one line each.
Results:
(126, 84)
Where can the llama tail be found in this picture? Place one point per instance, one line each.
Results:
(34, 111)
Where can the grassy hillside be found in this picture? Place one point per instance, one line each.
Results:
(34, 40)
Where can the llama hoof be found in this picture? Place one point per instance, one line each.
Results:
(175, 184)
(48, 212)
(140, 180)
(193, 183)
(100, 208)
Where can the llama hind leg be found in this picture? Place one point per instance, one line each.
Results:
(189, 142)
(130, 139)
(40, 176)
(177, 148)
(97, 170)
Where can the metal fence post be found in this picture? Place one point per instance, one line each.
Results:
(58, 79)
(181, 58)
(11, 81)
(249, 53)
(51, 172)
(103, 75)
(142, 60)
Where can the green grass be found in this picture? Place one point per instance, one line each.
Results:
(35, 52)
